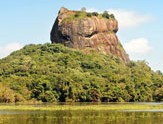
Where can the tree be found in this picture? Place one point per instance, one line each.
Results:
(95, 13)
(105, 14)
(158, 94)
(89, 14)
(112, 16)
(52, 72)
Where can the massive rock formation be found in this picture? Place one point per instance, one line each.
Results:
(84, 31)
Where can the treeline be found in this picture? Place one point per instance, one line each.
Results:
(54, 73)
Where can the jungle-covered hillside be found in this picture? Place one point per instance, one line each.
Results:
(54, 73)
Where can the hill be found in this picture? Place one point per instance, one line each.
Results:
(55, 73)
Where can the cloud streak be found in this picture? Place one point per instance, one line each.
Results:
(8, 48)
(138, 46)
(127, 18)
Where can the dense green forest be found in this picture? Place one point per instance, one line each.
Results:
(54, 73)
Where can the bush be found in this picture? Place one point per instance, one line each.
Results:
(89, 14)
(8, 95)
(105, 15)
(112, 16)
(158, 94)
(95, 14)
(77, 15)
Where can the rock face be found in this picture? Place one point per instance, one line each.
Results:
(88, 32)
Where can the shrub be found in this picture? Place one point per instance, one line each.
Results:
(76, 15)
(112, 16)
(89, 14)
(7, 95)
(95, 14)
(105, 15)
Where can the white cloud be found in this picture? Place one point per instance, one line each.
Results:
(8, 48)
(126, 18)
(129, 18)
(138, 46)
(92, 10)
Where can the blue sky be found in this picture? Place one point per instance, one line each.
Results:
(140, 24)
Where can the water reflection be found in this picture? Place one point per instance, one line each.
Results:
(80, 117)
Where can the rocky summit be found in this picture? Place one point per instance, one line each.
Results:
(88, 31)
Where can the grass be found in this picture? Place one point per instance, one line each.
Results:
(77, 15)
(51, 107)
(81, 15)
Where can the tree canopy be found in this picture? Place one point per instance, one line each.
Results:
(54, 73)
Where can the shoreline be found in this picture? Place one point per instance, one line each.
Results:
(100, 107)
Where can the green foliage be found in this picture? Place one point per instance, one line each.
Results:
(95, 14)
(105, 15)
(7, 95)
(92, 14)
(83, 14)
(76, 15)
(158, 94)
(89, 14)
(112, 16)
(54, 73)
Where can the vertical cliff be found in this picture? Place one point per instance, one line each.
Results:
(87, 31)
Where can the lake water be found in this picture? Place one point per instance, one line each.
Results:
(82, 117)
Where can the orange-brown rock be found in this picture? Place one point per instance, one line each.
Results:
(88, 32)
